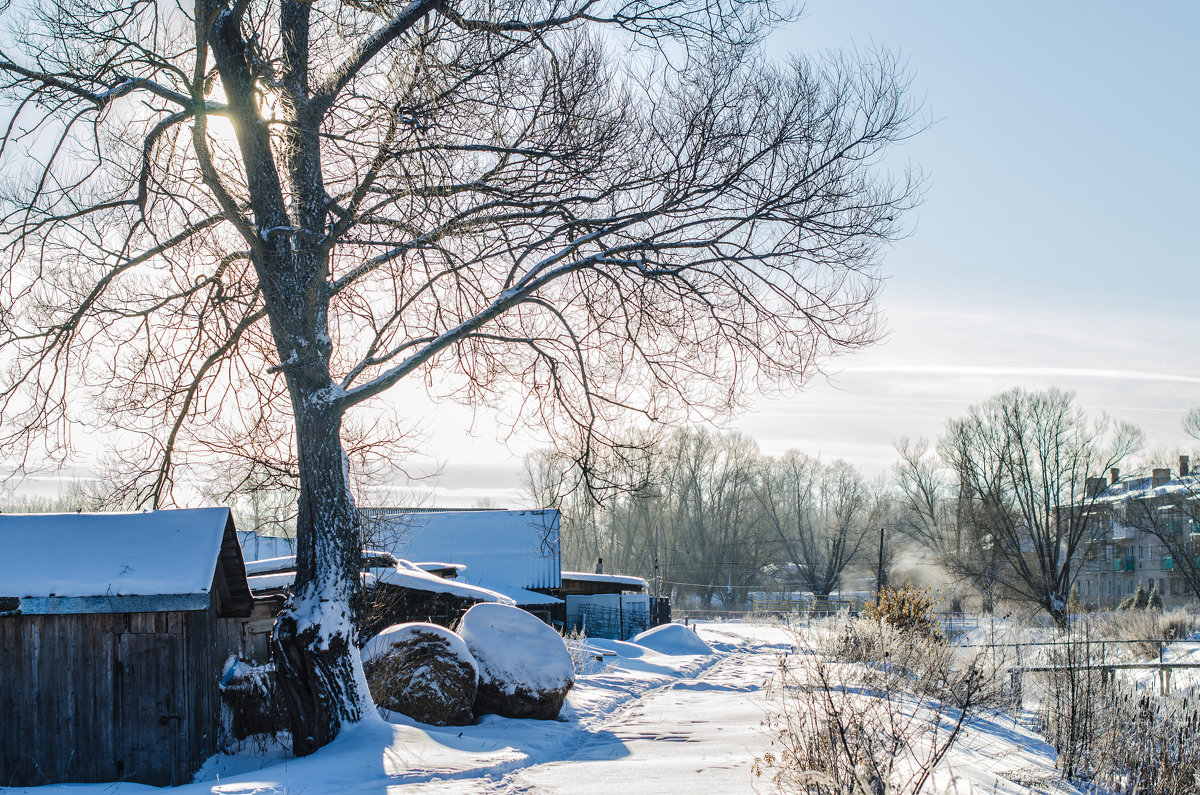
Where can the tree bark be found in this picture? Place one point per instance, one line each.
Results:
(316, 658)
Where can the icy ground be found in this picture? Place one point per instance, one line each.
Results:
(652, 722)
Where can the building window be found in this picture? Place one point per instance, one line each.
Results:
(1109, 588)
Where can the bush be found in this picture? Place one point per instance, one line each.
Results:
(1141, 600)
(1178, 624)
(1074, 603)
(585, 659)
(841, 729)
(250, 704)
(907, 609)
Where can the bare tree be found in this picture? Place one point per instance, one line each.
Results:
(823, 515)
(713, 523)
(932, 509)
(1022, 461)
(609, 507)
(229, 210)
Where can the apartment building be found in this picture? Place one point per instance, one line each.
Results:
(1142, 531)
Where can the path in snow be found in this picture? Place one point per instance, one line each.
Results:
(684, 734)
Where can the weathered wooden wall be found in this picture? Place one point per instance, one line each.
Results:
(108, 696)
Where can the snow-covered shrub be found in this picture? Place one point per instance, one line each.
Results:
(1140, 631)
(525, 670)
(1142, 600)
(890, 659)
(1178, 624)
(585, 659)
(672, 639)
(424, 671)
(835, 731)
(250, 704)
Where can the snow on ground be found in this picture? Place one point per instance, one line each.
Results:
(650, 722)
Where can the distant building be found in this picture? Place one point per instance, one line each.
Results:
(1121, 551)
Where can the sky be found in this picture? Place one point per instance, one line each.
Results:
(1054, 246)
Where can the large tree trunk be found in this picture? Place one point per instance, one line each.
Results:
(318, 669)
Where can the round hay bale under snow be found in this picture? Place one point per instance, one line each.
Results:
(525, 670)
(423, 671)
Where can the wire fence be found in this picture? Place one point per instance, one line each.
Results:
(613, 623)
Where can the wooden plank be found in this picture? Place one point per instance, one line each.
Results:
(13, 695)
(149, 709)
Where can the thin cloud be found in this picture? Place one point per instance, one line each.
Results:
(1067, 372)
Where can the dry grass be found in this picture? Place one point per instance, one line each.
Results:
(1115, 731)
(874, 711)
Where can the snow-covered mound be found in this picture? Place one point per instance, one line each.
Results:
(672, 639)
(525, 670)
(423, 671)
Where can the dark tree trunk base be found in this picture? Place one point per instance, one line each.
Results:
(317, 685)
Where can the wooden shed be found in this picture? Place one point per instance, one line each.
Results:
(113, 632)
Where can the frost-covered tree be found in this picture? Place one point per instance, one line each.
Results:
(1022, 461)
(824, 516)
(935, 510)
(229, 210)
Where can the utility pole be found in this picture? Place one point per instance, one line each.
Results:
(656, 575)
(880, 583)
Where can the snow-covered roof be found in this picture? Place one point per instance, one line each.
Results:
(406, 575)
(506, 551)
(527, 598)
(117, 562)
(278, 573)
(614, 579)
(1142, 487)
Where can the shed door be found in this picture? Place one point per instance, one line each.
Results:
(150, 717)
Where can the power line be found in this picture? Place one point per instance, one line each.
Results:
(774, 587)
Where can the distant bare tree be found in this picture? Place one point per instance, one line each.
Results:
(608, 510)
(713, 522)
(1022, 461)
(933, 510)
(227, 211)
(824, 517)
